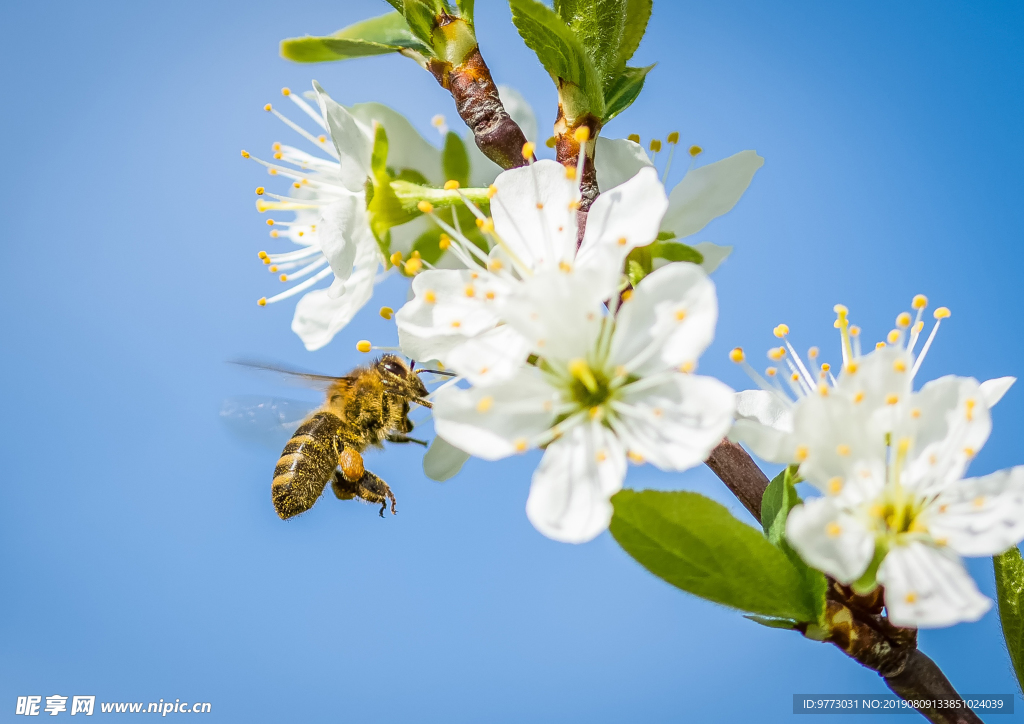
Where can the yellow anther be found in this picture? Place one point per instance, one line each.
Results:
(582, 134)
(528, 148)
(415, 255)
(413, 266)
(781, 331)
(634, 137)
(969, 452)
(565, 266)
(833, 529)
(903, 445)
(843, 450)
(823, 389)
(892, 399)
(801, 453)
(680, 315)
(655, 145)
(595, 412)
(918, 327)
(859, 397)
(852, 367)
(495, 265)
(574, 205)
(262, 301)
(903, 320)
(911, 597)
(795, 377)
(276, 146)
(286, 92)
(451, 185)
(245, 154)
(296, 185)
(893, 337)
(635, 457)
(470, 290)
(876, 511)
(835, 486)
(386, 312)
(854, 330)
(444, 242)
(322, 138)
(915, 413)
(771, 371)
(941, 313)
(456, 324)
(283, 277)
(879, 345)
(396, 258)
(263, 255)
(486, 225)
(260, 190)
(273, 269)
(601, 456)
(899, 366)
(364, 346)
(570, 173)
(841, 310)
(551, 142)
(920, 301)
(437, 121)
(520, 444)
(825, 366)
(274, 234)
(484, 404)
(813, 352)
(267, 107)
(270, 222)
(736, 355)
(687, 367)
(626, 295)
(979, 502)
(272, 171)
(673, 137)
(776, 353)
(970, 403)
(425, 206)
(489, 295)
(696, 151)
(429, 297)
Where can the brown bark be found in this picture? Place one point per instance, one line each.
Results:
(567, 153)
(477, 102)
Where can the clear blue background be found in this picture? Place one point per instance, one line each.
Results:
(141, 557)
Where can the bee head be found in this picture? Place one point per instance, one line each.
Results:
(398, 376)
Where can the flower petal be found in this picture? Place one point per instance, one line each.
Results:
(532, 213)
(352, 140)
(321, 314)
(994, 389)
(668, 321)
(928, 587)
(622, 219)
(344, 229)
(407, 149)
(497, 421)
(675, 425)
(490, 357)
(708, 192)
(830, 539)
(618, 160)
(765, 425)
(980, 516)
(571, 489)
(713, 255)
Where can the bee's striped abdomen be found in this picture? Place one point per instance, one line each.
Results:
(306, 465)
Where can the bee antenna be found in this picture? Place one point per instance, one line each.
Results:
(412, 365)
(436, 372)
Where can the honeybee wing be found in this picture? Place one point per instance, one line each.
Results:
(299, 377)
(267, 421)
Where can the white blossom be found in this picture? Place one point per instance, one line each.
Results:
(890, 461)
(604, 388)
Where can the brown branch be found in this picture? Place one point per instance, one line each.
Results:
(567, 153)
(856, 624)
(477, 102)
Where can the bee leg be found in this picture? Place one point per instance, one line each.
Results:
(370, 488)
(398, 437)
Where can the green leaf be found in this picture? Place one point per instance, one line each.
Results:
(465, 10)
(773, 622)
(675, 251)
(1010, 594)
(697, 545)
(385, 34)
(397, 5)
(443, 460)
(624, 90)
(386, 209)
(421, 15)
(779, 498)
(455, 159)
(635, 272)
(560, 52)
(610, 30)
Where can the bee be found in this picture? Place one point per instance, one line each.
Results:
(365, 408)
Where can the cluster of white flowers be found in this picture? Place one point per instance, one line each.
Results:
(889, 460)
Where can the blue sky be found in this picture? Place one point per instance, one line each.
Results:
(141, 555)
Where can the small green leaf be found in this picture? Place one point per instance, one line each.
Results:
(385, 34)
(559, 51)
(465, 10)
(779, 498)
(455, 160)
(675, 251)
(635, 272)
(421, 15)
(610, 30)
(386, 209)
(1010, 593)
(443, 460)
(786, 623)
(624, 90)
(397, 5)
(697, 545)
